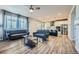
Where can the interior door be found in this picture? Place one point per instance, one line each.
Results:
(64, 29)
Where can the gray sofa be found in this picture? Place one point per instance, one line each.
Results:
(41, 34)
(15, 34)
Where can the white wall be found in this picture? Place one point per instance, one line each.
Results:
(47, 25)
(34, 25)
(70, 25)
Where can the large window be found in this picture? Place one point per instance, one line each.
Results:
(15, 22)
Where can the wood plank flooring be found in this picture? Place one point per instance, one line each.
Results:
(54, 45)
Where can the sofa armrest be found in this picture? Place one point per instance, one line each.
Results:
(34, 33)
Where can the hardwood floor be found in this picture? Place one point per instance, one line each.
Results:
(54, 45)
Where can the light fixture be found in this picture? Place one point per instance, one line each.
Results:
(31, 9)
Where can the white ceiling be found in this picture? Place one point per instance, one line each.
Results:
(51, 12)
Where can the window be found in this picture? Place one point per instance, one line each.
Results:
(7, 21)
(20, 22)
(14, 21)
(23, 23)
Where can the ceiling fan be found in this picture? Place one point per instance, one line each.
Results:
(32, 8)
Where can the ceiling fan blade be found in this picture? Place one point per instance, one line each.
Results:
(34, 8)
(37, 8)
(31, 7)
